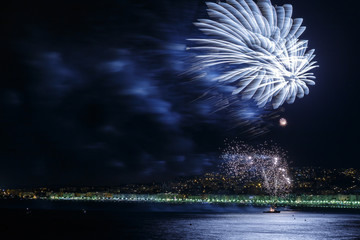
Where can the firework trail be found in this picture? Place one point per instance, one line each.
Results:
(265, 163)
(256, 49)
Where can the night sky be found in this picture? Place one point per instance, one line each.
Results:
(96, 93)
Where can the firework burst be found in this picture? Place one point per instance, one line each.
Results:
(264, 163)
(256, 49)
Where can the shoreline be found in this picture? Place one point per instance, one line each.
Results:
(138, 206)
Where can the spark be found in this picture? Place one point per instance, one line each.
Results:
(265, 163)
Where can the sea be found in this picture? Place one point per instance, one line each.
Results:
(42, 219)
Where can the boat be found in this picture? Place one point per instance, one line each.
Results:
(272, 210)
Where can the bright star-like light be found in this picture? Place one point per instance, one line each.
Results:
(283, 122)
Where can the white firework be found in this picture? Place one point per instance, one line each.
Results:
(266, 163)
(258, 47)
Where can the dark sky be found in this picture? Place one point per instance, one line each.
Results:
(94, 93)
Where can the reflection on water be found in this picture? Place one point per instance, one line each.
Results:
(286, 225)
(70, 220)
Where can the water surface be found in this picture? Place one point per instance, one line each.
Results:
(74, 220)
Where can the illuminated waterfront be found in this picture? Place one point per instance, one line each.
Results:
(313, 187)
(321, 201)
